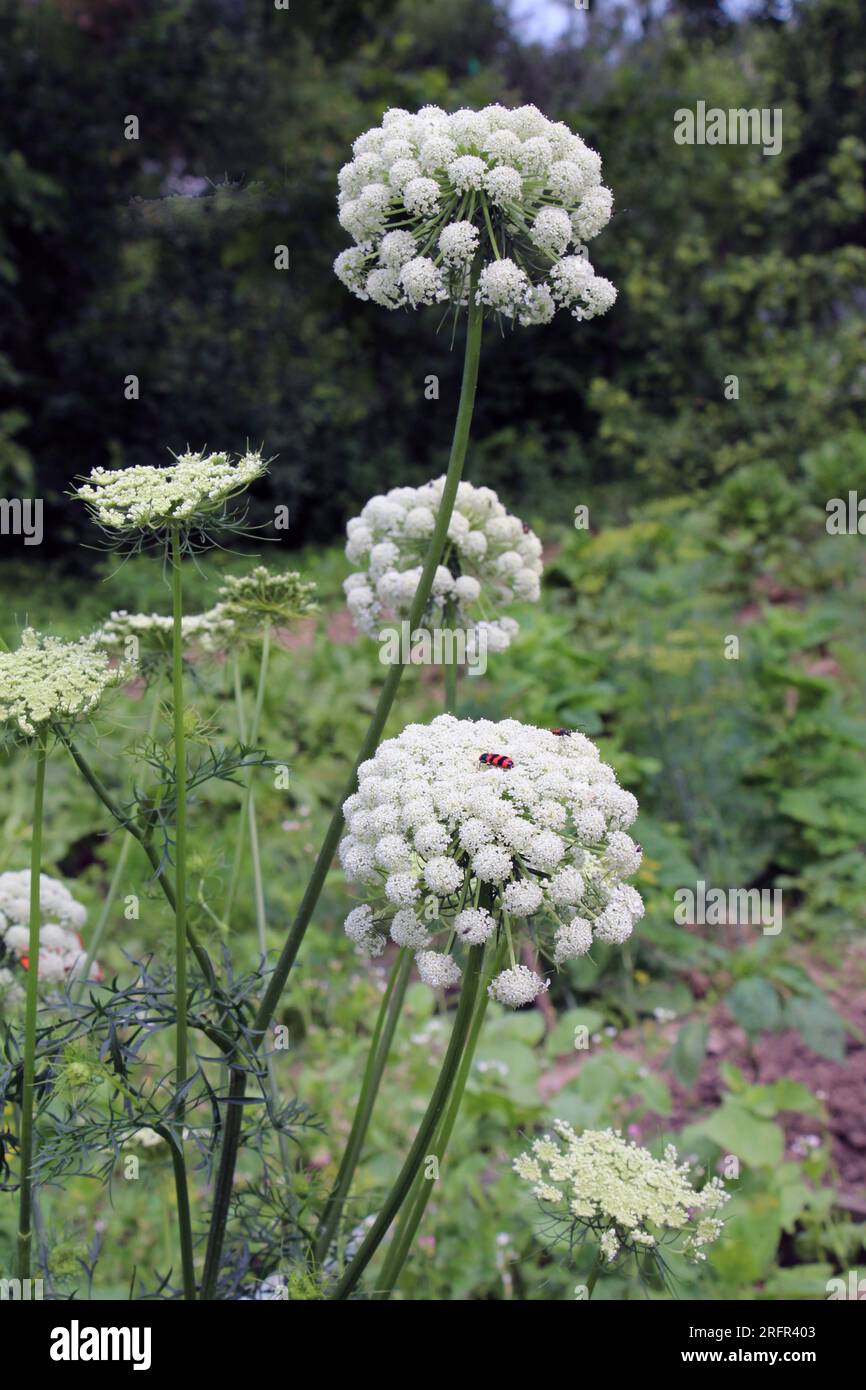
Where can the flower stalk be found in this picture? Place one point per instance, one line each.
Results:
(421, 1145)
(25, 1198)
(288, 954)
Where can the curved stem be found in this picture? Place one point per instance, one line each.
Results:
(389, 690)
(288, 954)
(27, 1091)
(377, 1057)
(420, 1148)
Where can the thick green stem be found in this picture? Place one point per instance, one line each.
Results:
(389, 690)
(292, 944)
(377, 1057)
(420, 1149)
(25, 1196)
(224, 1182)
(422, 1189)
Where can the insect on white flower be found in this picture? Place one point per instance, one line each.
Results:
(462, 810)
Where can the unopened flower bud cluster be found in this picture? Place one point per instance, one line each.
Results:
(601, 1180)
(540, 844)
(427, 194)
(265, 597)
(61, 953)
(491, 558)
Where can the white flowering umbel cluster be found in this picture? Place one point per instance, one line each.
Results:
(61, 953)
(46, 681)
(191, 492)
(150, 634)
(630, 1199)
(490, 558)
(426, 195)
(463, 828)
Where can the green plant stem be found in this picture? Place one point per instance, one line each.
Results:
(248, 825)
(116, 878)
(181, 1040)
(420, 1149)
(25, 1195)
(247, 818)
(377, 1057)
(413, 1211)
(104, 795)
(288, 954)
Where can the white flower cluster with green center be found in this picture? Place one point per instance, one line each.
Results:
(266, 597)
(428, 194)
(61, 953)
(450, 845)
(616, 1187)
(150, 634)
(490, 558)
(46, 681)
(187, 493)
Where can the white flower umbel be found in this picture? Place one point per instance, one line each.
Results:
(61, 952)
(428, 193)
(491, 559)
(145, 639)
(48, 682)
(629, 1199)
(192, 494)
(453, 848)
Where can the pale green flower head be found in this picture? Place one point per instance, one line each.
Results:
(190, 495)
(263, 597)
(632, 1201)
(47, 682)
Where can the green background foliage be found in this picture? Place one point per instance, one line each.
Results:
(156, 257)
